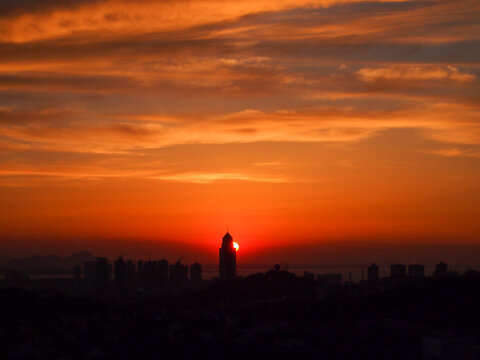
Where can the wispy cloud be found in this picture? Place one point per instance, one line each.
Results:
(205, 178)
(125, 78)
(452, 152)
(11, 177)
(414, 73)
(54, 19)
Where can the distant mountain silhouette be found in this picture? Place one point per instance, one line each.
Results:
(46, 264)
(80, 258)
(4, 259)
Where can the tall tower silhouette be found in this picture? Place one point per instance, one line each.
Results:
(227, 258)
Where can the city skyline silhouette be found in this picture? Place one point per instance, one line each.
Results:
(155, 301)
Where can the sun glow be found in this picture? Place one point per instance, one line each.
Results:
(236, 246)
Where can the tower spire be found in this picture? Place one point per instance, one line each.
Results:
(227, 258)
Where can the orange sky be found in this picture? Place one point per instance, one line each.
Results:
(147, 128)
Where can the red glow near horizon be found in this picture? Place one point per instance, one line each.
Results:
(110, 148)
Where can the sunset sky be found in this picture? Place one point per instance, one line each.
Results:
(322, 131)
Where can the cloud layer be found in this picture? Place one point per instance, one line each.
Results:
(204, 92)
(117, 76)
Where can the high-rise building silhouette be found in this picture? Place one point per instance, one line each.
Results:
(441, 269)
(372, 272)
(178, 273)
(162, 272)
(227, 259)
(120, 270)
(77, 272)
(89, 275)
(140, 275)
(102, 275)
(196, 273)
(130, 273)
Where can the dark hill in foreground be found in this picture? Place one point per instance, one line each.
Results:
(263, 316)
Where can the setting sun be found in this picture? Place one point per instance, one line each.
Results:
(235, 245)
